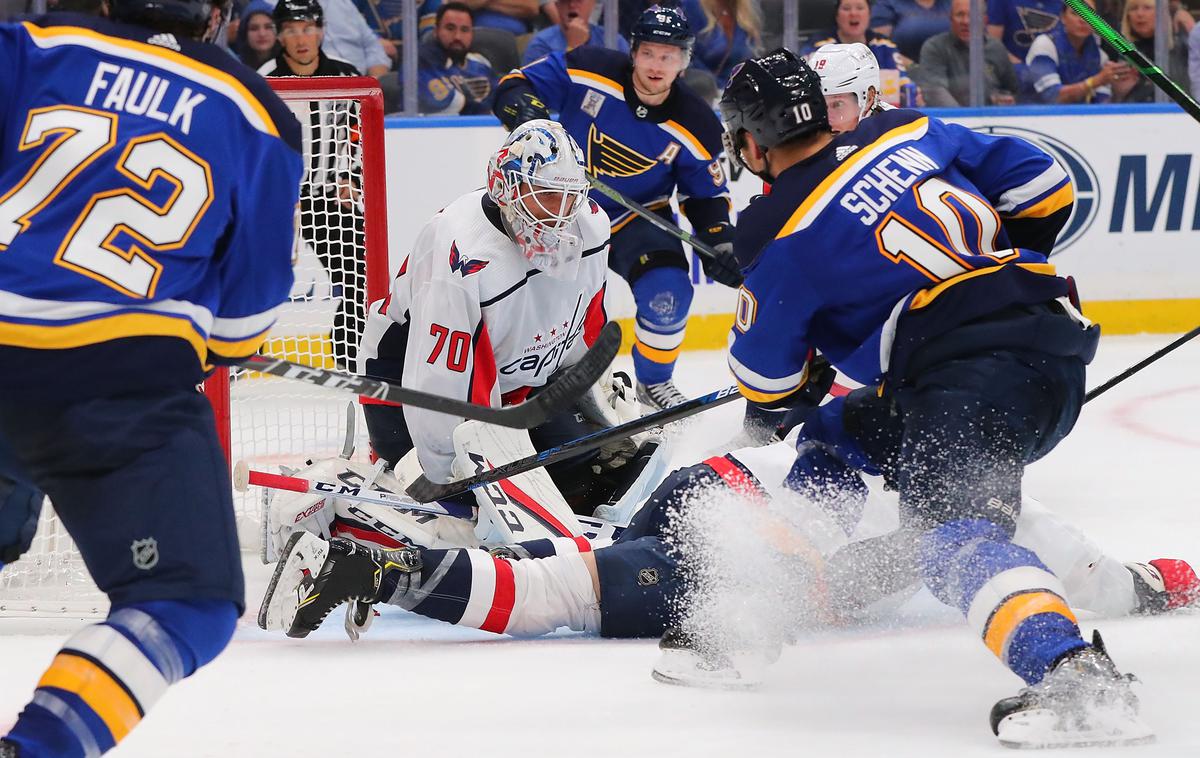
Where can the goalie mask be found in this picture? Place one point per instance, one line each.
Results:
(537, 179)
(848, 70)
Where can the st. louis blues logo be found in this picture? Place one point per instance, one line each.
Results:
(464, 266)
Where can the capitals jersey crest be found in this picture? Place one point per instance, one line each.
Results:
(463, 265)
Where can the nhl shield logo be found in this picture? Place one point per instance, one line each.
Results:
(145, 553)
(647, 577)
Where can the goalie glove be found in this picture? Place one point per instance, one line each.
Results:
(611, 402)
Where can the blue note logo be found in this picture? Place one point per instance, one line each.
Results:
(1083, 179)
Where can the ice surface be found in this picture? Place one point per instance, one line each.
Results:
(920, 687)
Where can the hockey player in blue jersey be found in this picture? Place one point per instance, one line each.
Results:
(887, 249)
(647, 135)
(148, 185)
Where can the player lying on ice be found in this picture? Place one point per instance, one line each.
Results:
(954, 453)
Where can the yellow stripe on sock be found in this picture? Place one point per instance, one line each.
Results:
(94, 686)
(1009, 615)
(656, 355)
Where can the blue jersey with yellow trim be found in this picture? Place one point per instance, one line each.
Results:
(885, 219)
(148, 187)
(644, 152)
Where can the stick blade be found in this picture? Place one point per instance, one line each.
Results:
(424, 490)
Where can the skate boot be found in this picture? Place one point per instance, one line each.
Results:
(687, 660)
(1163, 585)
(1082, 701)
(660, 396)
(314, 576)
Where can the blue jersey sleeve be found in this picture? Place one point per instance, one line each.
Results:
(550, 79)
(1017, 178)
(768, 348)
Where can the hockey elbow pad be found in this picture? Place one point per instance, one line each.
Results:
(526, 106)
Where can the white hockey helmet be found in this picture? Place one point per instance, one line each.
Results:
(537, 178)
(848, 69)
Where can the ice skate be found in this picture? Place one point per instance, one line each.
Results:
(660, 396)
(1163, 585)
(315, 576)
(687, 661)
(1083, 701)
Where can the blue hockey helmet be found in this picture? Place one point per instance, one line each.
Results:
(776, 98)
(664, 24)
(189, 18)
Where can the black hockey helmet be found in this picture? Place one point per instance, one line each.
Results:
(189, 18)
(664, 24)
(298, 10)
(776, 98)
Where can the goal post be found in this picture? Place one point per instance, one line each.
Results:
(341, 266)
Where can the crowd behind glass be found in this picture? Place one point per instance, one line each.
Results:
(1034, 51)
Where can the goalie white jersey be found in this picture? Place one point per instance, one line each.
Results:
(469, 317)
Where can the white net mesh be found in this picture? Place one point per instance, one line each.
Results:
(273, 422)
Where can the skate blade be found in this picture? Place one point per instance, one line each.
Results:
(1037, 729)
(684, 668)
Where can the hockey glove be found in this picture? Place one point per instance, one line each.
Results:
(724, 267)
(526, 107)
(767, 425)
(610, 402)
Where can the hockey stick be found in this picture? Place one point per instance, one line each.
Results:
(1093, 393)
(424, 491)
(244, 477)
(1134, 56)
(653, 218)
(556, 397)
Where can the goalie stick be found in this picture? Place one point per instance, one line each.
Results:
(556, 397)
(423, 490)
(244, 476)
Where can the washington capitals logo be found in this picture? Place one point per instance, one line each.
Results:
(464, 266)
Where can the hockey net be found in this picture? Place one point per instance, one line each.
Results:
(341, 265)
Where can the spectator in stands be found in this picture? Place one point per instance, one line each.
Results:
(727, 33)
(851, 18)
(513, 16)
(256, 41)
(386, 17)
(1194, 57)
(944, 74)
(454, 80)
(1137, 25)
(1017, 22)
(1067, 65)
(574, 29)
(910, 22)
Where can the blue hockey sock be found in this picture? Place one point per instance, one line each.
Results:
(1008, 595)
(663, 296)
(108, 675)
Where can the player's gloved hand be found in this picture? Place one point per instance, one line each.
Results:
(526, 107)
(723, 268)
(766, 425)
